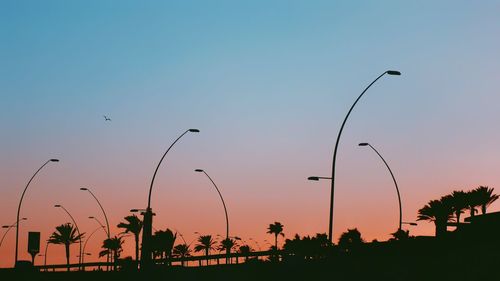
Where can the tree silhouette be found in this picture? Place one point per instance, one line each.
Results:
(227, 245)
(205, 243)
(458, 202)
(245, 250)
(134, 226)
(350, 240)
(400, 235)
(66, 235)
(484, 196)
(163, 244)
(439, 212)
(182, 251)
(112, 246)
(275, 228)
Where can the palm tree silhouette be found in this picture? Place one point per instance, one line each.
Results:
(205, 243)
(245, 250)
(112, 246)
(182, 251)
(66, 235)
(227, 245)
(134, 226)
(458, 202)
(484, 196)
(163, 243)
(472, 202)
(275, 228)
(350, 240)
(439, 212)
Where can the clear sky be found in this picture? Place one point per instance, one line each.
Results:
(268, 84)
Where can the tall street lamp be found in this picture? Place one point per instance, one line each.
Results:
(222, 199)
(330, 226)
(20, 203)
(228, 250)
(105, 217)
(77, 230)
(147, 226)
(107, 235)
(393, 179)
(87, 240)
(102, 209)
(8, 227)
(100, 224)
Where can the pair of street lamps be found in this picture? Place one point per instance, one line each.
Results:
(332, 178)
(147, 233)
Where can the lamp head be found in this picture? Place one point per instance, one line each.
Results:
(199, 170)
(54, 160)
(57, 206)
(313, 178)
(134, 210)
(393, 72)
(91, 217)
(194, 130)
(5, 226)
(84, 188)
(364, 144)
(23, 219)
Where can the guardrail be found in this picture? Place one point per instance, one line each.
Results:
(233, 258)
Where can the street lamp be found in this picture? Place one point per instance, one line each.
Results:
(393, 179)
(8, 227)
(228, 250)
(87, 240)
(315, 178)
(102, 209)
(100, 224)
(330, 226)
(20, 203)
(77, 230)
(147, 229)
(222, 199)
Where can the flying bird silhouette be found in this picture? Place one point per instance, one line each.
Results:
(106, 118)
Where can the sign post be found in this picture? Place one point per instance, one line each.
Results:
(33, 245)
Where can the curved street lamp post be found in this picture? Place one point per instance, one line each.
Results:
(225, 209)
(87, 240)
(21, 202)
(147, 233)
(105, 217)
(393, 179)
(330, 226)
(8, 227)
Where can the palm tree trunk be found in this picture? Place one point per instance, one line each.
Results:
(483, 209)
(206, 255)
(276, 241)
(136, 248)
(67, 254)
(115, 259)
(440, 228)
